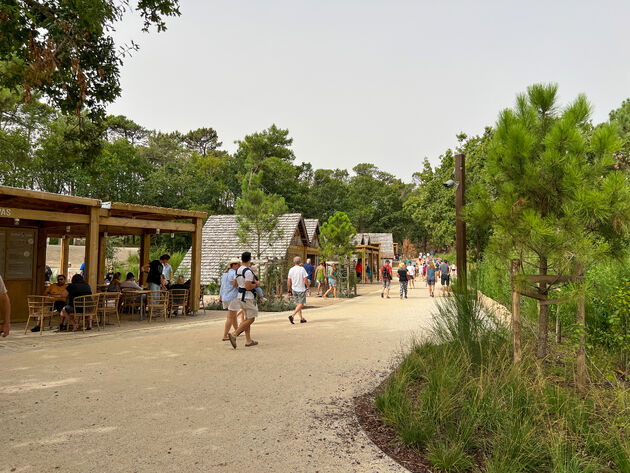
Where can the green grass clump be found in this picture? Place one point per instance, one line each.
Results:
(458, 399)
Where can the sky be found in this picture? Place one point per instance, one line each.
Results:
(355, 81)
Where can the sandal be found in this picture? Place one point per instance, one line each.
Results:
(254, 342)
(303, 321)
(225, 339)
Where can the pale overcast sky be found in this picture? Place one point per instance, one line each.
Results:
(385, 82)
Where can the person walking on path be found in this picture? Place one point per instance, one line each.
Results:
(228, 296)
(403, 279)
(445, 276)
(431, 278)
(298, 284)
(386, 276)
(5, 310)
(332, 281)
(319, 278)
(411, 269)
(247, 285)
(310, 271)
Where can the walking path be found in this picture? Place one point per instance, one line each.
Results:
(176, 398)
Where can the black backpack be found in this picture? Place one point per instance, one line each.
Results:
(385, 273)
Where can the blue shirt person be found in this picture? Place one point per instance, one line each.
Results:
(310, 270)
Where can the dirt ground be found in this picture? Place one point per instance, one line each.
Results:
(174, 397)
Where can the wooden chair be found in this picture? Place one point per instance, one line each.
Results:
(108, 305)
(178, 298)
(39, 307)
(130, 301)
(157, 305)
(87, 306)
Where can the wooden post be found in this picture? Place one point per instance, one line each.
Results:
(516, 313)
(40, 266)
(64, 255)
(460, 225)
(91, 250)
(145, 251)
(581, 320)
(102, 250)
(364, 272)
(195, 265)
(348, 280)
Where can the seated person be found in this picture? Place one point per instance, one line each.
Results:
(115, 284)
(130, 282)
(55, 292)
(110, 275)
(181, 284)
(78, 287)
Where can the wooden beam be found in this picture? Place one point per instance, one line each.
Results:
(148, 209)
(145, 251)
(195, 265)
(40, 264)
(26, 214)
(560, 300)
(64, 256)
(532, 294)
(153, 224)
(552, 278)
(91, 249)
(102, 250)
(48, 196)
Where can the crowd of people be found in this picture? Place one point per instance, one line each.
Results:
(426, 267)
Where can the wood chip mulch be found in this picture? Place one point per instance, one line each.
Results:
(385, 437)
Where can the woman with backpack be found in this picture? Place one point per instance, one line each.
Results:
(386, 276)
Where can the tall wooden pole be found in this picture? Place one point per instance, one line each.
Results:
(516, 313)
(460, 225)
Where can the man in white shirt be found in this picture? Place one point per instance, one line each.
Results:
(412, 273)
(167, 272)
(247, 285)
(297, 283)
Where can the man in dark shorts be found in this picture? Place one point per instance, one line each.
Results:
(386, 276)
(445, 276)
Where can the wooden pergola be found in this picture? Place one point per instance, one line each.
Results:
(370, 254)
(28, 218)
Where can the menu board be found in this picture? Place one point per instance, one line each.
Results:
(3, 249)
(20, 255)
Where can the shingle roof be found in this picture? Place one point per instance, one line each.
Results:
(312, 227)
(387, 243)
(220, 243)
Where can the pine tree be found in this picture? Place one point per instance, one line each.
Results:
(559, 204)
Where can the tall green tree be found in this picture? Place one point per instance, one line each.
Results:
(559, 202)
(336, 236)
(65, 49)
(258, 215)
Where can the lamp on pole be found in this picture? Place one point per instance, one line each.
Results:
(460, 226)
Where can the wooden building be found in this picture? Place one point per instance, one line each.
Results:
(368, 254)
(28, 218)
(312, 231)
(220, 243)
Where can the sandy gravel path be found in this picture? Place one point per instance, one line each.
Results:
(179, 399)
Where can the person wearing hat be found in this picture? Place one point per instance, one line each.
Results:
(228, 296)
